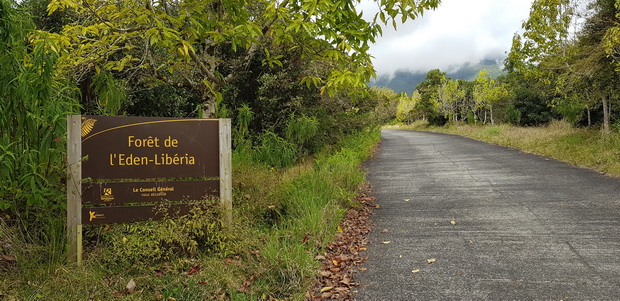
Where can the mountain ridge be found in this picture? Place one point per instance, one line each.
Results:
(405, 81)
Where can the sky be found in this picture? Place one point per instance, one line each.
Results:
(455, 33)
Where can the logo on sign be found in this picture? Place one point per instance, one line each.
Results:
(93, 215)
(107, 195)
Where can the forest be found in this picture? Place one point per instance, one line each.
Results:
(562, 65)
(293, 77)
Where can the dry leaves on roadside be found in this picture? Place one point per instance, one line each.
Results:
(334, 282)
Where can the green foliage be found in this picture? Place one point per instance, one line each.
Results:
(182, 42)
(513, 115)
(37, 10)
(111, 93)
(546, 34)
(243, 121)
(159, 101)
(275, 151)
(450, 95)
(199, 232)
(300, 130)
(571, 109)
(33, 103)
(406, 106)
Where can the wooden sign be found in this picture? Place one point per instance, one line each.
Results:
(114, 152)
(146, 147)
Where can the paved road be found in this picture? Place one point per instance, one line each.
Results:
(527, 227)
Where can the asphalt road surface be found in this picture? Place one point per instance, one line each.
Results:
(500, 224)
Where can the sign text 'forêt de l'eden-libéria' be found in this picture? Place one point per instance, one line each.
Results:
(149, 147)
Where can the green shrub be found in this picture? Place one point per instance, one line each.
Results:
(199, 232)
(275, 151)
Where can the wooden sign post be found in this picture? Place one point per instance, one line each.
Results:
(113, 161)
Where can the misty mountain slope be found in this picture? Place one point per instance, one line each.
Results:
(405, 81)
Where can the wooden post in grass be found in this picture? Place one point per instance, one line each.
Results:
(74, 188)
(226, 169)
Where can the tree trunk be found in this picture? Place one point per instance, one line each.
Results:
(491, 112)
(606, 114)
(208, 106)
(485, 117)
(589, 117)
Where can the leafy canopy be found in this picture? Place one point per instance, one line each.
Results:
(205, 43)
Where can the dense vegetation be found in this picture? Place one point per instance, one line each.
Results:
(563, 65)
(290, 74)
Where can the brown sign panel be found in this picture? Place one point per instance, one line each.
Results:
(111, 215)
(149, 147)
(139, 192)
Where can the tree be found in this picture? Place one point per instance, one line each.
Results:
(546, 33)
(449, 95)
(406, 105)
(204, 44)
(487, 94)
(428, 89)
(578, 69)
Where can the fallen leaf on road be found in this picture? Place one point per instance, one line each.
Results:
(335, 262)
(416, 271)
(407, 200)
(378, 206)
(453, 222)
(326, 289)
(431, 260)
(385, 231)
(362, 269)
(340, 229)
(386, 242)
(363, 249)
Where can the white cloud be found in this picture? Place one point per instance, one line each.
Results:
(457, 32)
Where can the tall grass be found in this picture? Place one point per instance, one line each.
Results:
(314, 203)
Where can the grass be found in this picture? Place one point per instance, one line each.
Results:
(583, 147)
(283, 218)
